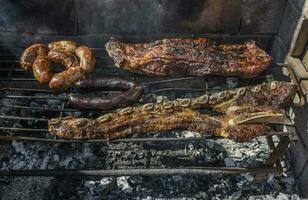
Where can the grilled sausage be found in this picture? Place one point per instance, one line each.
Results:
(66, 58)
(65, 79)
(64, 45)
(31, 53)
(86, 58)
(132, 94)
(41, 69)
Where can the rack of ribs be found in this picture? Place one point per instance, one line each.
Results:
(189, 57)
(240, 124)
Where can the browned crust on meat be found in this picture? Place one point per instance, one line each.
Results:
(86, 57)
(63, 45)
(65, 58)
(67, 78)
(41, 69)
(126, 124)
(30, 54)
(193, 57)
(62, 52)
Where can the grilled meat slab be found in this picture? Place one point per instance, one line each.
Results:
(189, 57)
(237, 125)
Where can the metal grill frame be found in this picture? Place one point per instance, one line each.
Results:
(272, 164)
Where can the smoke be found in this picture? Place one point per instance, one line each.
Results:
(25, 22)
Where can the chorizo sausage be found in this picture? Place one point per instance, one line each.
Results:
(31, 53)
(41, 69)
(67, 78)
(132, 93)
(64, 45)
(65, 58)
(86, 58)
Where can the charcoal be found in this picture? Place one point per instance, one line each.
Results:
(123, 183)
(197, 153)
(229, 162)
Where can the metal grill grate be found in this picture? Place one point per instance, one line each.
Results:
(19, 86)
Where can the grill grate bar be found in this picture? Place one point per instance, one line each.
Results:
(32, 97)
(182, 89)
(9, 61)
(103, 92)
(31, 90)
(17, 79)
(126, 140)
(8, 69)
(47, 109)
(22, 118)
(22, 70)
(23, 129)
(141, 172)
(167, 80)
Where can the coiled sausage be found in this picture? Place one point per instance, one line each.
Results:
(65, 58)
(41, 69)
(64, 45)
(86, 58)
(31, 53)
(66, 78)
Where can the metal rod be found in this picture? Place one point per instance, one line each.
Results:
(139, 172)
(23, 129)
(183, 89)
(46, 109)
(30, 90)
(146, 83)
(8, 69)
(126, 140)
(21, 138)
(9, 61)
(49, 91)
(32, 97)
(17, 79)
(171, 80)
(22, 118)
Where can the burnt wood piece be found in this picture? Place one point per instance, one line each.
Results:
(240, 125)
(189, 57)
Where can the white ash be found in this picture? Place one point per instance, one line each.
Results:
(232, 82)
(229, 162)
(189, 134)
(123, 183)
(23, 155)
(209, 152)
(161, 99)
(95, 187)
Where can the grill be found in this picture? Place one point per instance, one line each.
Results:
(31, 105)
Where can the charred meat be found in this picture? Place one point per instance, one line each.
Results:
(240, 126)
(189, 57)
